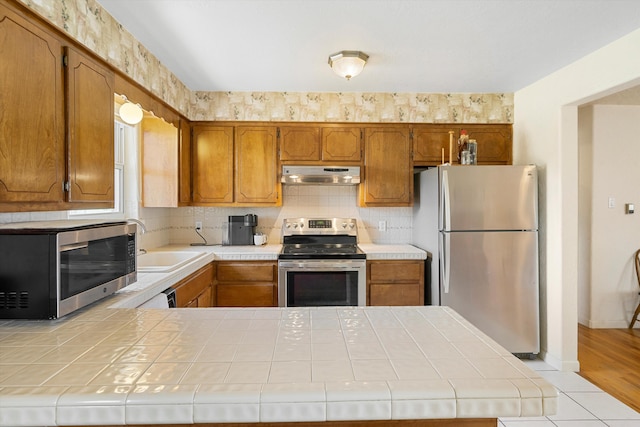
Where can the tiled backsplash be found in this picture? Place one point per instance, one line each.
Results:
(299, 201)
(176, 225)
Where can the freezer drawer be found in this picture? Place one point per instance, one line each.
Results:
(488, 198)
(491, 279)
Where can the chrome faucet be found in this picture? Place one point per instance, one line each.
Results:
(140, 223)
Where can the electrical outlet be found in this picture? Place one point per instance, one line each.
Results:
(198, 225)
(382, 225)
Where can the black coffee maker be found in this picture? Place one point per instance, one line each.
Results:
(240, 230)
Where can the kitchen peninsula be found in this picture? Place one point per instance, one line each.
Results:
(106, 365)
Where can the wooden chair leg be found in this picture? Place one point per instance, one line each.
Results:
(635, 317)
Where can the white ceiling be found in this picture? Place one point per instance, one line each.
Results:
(414, 45)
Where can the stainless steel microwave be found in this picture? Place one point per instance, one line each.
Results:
(52, 268)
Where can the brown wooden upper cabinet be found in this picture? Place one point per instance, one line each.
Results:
(342, 144)
(32, 148)
(256, 166)
(299, 143)
(320, 144)
(90, 129)
(429, 141)
(160, 163)
(388, 172)
(38, 171)
(184, 162)
(212, 164)
(494, 143)
(235, 166)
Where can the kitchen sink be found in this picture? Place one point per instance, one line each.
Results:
(165, 261)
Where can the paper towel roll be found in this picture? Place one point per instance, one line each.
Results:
(159, 301)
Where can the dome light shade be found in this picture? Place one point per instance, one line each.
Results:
(348, 63)
(130, 113)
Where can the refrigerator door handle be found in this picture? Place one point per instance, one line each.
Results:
(445, 261)
(445, 212)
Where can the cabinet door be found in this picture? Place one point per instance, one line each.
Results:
(90, 129)
(256, 174)
(159, 163)
(494, 143)
(341, 144)
(184, 164)
(192, 288)
(299, 143)
(388, 177)
(191, 304)
(212, 164)
(32, 156)
(430, 141)
(204, 299)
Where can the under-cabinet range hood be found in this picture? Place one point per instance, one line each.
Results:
(321, 175)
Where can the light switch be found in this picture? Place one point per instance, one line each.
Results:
(612, 202)
(629, 208)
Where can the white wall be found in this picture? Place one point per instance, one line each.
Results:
(546, 133)
(585, 197)
(611, 288)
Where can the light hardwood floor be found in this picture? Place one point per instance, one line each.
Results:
(610, 358)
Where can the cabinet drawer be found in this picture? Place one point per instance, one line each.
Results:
(189, 288)
(247, 272)
(396, 271)
(395, 294)
(244, 295)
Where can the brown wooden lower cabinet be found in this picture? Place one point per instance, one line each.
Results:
(196, 289)
(247, 284)
(397, 282)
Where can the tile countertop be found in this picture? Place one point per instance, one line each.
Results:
(375, 251)
(149, 285)
(105, 366)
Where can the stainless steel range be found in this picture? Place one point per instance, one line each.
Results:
(321, 264)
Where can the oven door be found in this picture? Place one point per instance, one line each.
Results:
(315, 283)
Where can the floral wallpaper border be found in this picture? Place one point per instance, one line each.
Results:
(354, 107)
(88, 23)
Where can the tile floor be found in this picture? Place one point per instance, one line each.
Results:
(581, 404)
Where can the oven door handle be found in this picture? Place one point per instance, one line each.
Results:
(317, 266)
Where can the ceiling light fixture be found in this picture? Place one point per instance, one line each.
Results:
(129, 112)
(348, 63)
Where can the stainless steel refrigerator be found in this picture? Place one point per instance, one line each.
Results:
(480, 224)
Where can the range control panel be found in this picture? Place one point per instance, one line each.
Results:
(297, 226)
